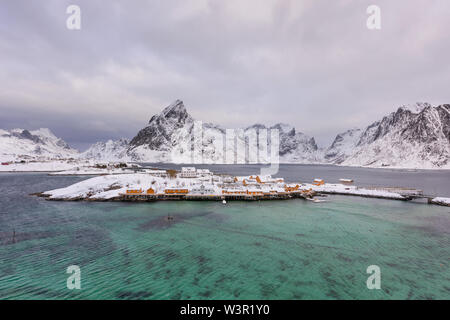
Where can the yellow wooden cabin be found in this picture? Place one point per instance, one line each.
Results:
(255, 192)
(291, 189)
(176, 191)
(318, 182)
(134, 191)
(234, 192)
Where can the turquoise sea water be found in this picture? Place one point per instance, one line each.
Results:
(243, 250)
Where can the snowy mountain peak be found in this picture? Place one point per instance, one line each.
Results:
(173, 128)
(417, 107)
(256, 126)
(413, 136)
(173, 113)
(24, 144)
(284, 128)
(45, 132)
(175, 109)
(158, 135)
(416, 136)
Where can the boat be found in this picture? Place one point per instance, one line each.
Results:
(346, 181)
(316, 200)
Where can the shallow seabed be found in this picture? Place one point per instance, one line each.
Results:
(292, 249)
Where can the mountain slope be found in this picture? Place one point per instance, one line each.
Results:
(416, 136)
(171, 137)
(111, 150)
(342, 146)
(19, 144)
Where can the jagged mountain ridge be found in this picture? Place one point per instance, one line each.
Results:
(158, 134)
(18, 144)
(414, 136)
(169, 136)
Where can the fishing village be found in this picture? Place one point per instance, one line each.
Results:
(190, 183)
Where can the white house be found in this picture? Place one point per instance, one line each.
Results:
(157, 173)
(203, 189)
(204, 172)
(188, 172)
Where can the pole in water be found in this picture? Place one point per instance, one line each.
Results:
(14, 236)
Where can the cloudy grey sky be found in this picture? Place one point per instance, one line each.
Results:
(310, 63)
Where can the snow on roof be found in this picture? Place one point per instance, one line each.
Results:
(176, 188)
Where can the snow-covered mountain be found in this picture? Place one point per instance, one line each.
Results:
(19, 144)
(296, 147)
(171, 136)
(111, 150)
(343, 146)
(415, 136)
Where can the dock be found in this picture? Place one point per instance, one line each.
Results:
(194, 197)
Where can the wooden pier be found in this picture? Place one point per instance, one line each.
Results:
(200, 197)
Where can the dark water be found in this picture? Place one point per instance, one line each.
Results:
(243, 250)
(433, 182)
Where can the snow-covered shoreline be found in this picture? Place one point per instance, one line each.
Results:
(330, 188)
(87, 167)
(191, 183)
(154, 185)
(68, 167)
(446, 168)
(45, 166)
(441, 201)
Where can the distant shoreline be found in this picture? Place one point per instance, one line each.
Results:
(82, 164)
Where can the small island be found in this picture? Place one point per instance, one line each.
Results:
(191, 183)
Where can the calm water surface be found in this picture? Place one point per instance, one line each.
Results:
(243, 250)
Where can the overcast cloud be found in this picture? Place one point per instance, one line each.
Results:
(309, 63)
